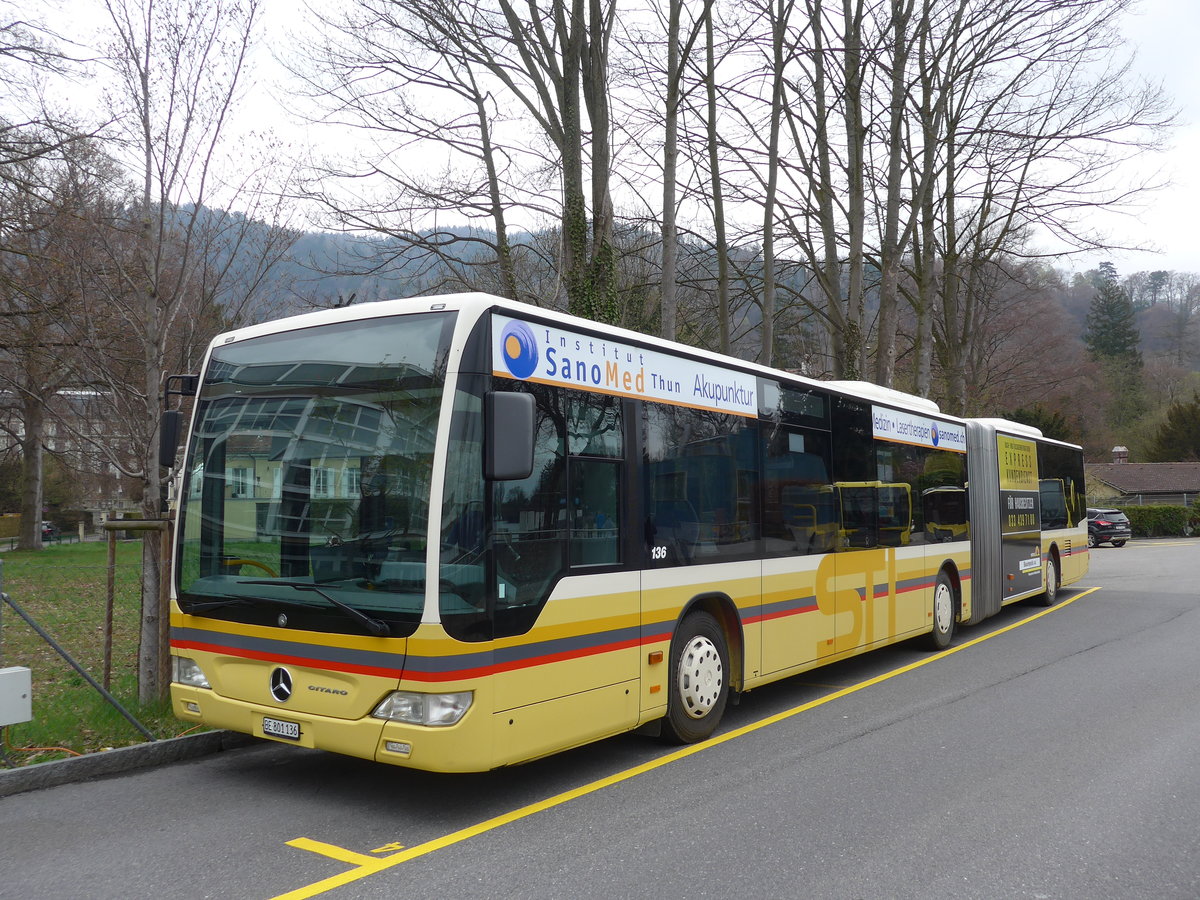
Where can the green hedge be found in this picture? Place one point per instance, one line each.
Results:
(1162, 521)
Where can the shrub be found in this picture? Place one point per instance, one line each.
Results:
(1159, 521)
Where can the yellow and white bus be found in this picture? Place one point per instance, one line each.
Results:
(456, 533)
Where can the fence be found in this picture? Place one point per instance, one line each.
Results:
(63, 589)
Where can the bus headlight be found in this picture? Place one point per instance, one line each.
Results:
(424, 709)
(185, 671)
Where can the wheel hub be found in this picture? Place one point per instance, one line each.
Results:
(701, 676)
(943, 608)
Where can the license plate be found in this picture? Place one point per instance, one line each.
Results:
(281, 729)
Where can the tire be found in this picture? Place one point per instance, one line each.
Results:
(1050, 595)
(1092, 542)
(699, 679)
(943, 613)
(1118, 543)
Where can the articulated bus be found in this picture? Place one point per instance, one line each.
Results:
(457, 533)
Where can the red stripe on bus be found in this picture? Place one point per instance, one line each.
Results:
(409, 674)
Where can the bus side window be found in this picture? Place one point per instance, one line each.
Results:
(701, 483)
(1053, 503)
(799, 506)
(595, 493)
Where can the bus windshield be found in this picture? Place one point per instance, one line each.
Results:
(305, 499)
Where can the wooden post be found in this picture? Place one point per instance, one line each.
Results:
(110, 590)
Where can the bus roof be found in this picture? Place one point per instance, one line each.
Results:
(478, 303)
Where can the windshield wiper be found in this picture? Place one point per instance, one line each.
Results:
(373, 625)
(233, 600)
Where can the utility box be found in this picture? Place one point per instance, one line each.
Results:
(16, 695)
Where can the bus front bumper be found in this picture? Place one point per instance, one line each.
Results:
(456, 748)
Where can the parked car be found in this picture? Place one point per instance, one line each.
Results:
(1108, 526)
(49, 531)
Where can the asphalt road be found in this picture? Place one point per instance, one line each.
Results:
(1048, 757)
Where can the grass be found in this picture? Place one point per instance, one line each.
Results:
(63, 589)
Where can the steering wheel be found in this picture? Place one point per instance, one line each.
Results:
(250, 562)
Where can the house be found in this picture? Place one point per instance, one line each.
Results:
(1122, 483)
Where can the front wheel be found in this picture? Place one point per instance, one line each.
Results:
(943, 613)
(699, 679)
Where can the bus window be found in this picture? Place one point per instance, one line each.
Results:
(858, 515)
(798, 505)
(595, 534)
(517, 544)
(895, 515)
(1053, 503)
(1064, 467)
(945, 512)
(530, 522)
(701, 485)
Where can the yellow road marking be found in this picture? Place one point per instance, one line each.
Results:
(367, 865)
(332, 851)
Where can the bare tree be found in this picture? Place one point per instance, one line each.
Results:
(44, 209)
(549, 62)
(30, 52)
(178, 66)
(1041, 113)
(410, 77)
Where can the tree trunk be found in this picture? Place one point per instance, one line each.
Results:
(33, 413)
(718, 199)
(670, 160)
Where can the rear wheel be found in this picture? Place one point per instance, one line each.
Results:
(1050, 595)
(1118, 543)
(1092, 542)
(699, 679)
(943, 613)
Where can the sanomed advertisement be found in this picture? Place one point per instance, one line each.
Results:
(530, 351)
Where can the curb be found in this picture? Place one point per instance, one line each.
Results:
(115, 762)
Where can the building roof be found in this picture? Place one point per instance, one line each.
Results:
(1148, 478)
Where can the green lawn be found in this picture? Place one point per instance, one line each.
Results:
(63, 589)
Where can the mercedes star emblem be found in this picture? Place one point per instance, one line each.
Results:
(281, 685)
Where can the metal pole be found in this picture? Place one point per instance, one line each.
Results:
(78, 668)
(164, 611)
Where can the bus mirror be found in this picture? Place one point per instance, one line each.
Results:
(168, 437)
(508, 440)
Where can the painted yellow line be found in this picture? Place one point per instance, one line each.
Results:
(332, 851)
(371, 865)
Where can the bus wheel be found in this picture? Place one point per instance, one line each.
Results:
(1047, 597)
(699, 679)
(943, 613)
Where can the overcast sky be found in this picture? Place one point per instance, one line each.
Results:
(1166, 34)
(1166, 37)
